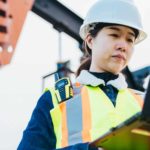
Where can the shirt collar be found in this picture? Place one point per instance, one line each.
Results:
(86, 78)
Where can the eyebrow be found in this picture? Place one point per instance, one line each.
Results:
(117, 29)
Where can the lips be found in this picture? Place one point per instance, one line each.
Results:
(119, 56)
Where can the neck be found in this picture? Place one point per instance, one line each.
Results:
(106, 76)
(94, 68)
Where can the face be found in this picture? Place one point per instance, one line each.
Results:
(112, 49)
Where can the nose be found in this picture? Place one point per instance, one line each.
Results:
(122, 45)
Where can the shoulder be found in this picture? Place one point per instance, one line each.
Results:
(137, 92)
(45, 99)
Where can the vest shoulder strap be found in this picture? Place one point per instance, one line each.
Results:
(76, 90)
(53, 94)
(138, 96)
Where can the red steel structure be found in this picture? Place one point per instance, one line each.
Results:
(12, 17)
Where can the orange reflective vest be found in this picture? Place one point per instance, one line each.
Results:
(90, 114)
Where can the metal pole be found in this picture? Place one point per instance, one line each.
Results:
(59, 47)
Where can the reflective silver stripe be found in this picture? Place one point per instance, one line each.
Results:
(76, 90)
(74, 119)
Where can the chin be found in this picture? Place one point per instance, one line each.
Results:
(116, 71)
(113, 68)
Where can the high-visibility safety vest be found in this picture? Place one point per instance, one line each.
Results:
(90, 114)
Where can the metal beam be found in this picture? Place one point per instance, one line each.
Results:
(60, 16)
(130, 78)
(141, 74)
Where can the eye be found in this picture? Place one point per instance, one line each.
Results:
(130, 40)
(114, 35)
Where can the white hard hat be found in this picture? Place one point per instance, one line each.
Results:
(123, 12)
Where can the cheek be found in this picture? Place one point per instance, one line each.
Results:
(129, 54)
(100, 47)
(99, 52)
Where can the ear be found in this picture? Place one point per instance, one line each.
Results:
(89, 41)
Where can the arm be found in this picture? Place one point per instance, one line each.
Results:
(39, 134)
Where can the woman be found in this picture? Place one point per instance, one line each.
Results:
(102, 99)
